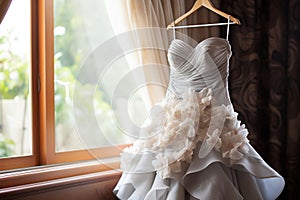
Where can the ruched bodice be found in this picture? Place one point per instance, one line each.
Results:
(200, 66)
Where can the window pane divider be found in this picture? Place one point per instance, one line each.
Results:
(46, 72)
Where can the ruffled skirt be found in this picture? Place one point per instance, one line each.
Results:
(195, 150)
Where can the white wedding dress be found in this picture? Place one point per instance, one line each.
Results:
(195, 147)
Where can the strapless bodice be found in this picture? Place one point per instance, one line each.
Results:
(200, 66)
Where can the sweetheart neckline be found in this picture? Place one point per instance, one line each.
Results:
(200, 43)
(191, 50)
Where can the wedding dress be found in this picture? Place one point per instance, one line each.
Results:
(195, 147)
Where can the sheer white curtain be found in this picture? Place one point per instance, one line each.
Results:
(146, 22)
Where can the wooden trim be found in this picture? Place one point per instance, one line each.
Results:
(62, 183)
(81, 155)
(47, 173)
(63, 157)
(17, 162)
(35, 81)
(46, 69)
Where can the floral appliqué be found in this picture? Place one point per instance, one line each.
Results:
(179, 124)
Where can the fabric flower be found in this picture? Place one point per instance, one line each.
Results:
(179, 124)
(234, 143)
(214, 140)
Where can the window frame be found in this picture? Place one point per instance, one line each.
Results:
(42, 87)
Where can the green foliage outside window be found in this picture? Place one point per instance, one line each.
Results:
(13, 83)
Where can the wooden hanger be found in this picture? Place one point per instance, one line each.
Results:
(207, 4)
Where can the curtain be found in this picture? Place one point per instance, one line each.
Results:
(4, 5)
(264, 81)
(137, 17)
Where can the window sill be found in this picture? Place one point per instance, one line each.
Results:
(38, 178)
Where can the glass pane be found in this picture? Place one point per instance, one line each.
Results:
(15, 94)
(80, 29)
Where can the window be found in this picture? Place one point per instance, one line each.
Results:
(57, 39)
(15, 92)
(78, 33)
(16, 111)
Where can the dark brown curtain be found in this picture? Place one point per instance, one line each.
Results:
(265, 81)
(4, 5)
